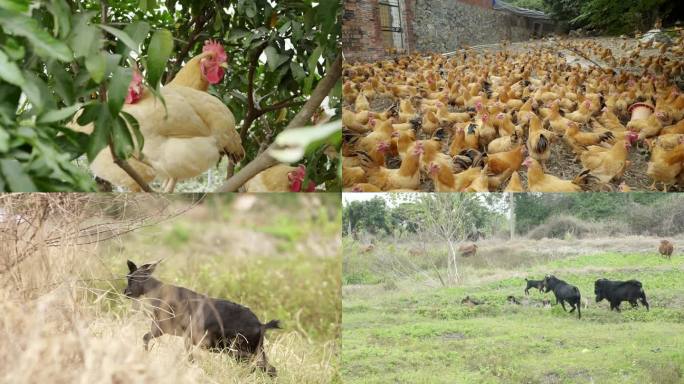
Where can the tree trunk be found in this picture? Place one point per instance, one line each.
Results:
(453, 276)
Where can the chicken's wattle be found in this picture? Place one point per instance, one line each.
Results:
(296, 179)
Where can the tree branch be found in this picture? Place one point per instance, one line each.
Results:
(264, 160)
(199, 23)
(122, 163)
(282, 104)
(252, 112)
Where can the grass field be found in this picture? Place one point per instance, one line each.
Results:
(406, 331)
(65, 320)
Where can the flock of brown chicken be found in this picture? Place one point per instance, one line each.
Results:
(489, 121)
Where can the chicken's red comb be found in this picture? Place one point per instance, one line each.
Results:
(217, 48)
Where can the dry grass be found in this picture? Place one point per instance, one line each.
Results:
(65, 321)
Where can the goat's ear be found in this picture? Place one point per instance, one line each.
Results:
(149, 268)
(131, 266)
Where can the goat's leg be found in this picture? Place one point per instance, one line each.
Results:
(188, 348)
(263, 364)
(153, 334)
(562, 303)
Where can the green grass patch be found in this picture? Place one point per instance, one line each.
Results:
(428, 336)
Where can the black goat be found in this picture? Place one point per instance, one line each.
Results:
(214, 324)
(618, 291)
(563, 292)
(533, 284)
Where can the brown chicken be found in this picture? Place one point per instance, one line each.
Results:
(665, 165)
(502, 165)
(607, 163)
(579, 141)
(538, 181)
(514, 184)
(406, 177)
(539, 141)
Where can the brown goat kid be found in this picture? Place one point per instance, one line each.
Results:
(215, 324)
(666, 248)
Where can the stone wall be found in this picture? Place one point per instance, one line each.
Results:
(429, 26)
(446, 25)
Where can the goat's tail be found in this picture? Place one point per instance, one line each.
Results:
(273, 324)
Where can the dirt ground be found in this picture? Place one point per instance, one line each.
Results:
(562, 162)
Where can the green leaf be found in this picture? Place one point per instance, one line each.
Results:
(37, 92)
(16, 177)
(84, 38)
(122, 36)
(251, 10)
(15, 5)
(139, 139)
(45, 45)
(313, 59)
(297, 71)
(273, 58)
(9, 71)
(158, 53)
(90, 113)
(71, 142)
(4, 141)
(118, 87)
(308, 83)
(99, 139)
(96, 66)
(59, 114)
(291, 145)
(14, 49)
(62, 14)
(123, 142)
(236, 34)
(138, 32)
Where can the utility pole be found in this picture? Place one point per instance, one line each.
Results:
(511, 205)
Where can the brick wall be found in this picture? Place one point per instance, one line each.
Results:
(361, 35)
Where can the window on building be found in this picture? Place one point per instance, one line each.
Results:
(390, 24)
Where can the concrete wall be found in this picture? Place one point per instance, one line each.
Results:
(446, 25)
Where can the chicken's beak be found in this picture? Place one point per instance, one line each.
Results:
(224, 65)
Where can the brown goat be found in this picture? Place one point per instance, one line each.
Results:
(367, 248)
(467, 250)
(215, 324)
(666, 248)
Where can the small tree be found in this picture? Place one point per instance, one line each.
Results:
(445, 218)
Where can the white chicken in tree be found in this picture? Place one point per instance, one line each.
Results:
(184, 139)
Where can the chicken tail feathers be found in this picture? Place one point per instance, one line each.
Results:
(589, 182)
(542, 144)
(607, 136)
(440, 134)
